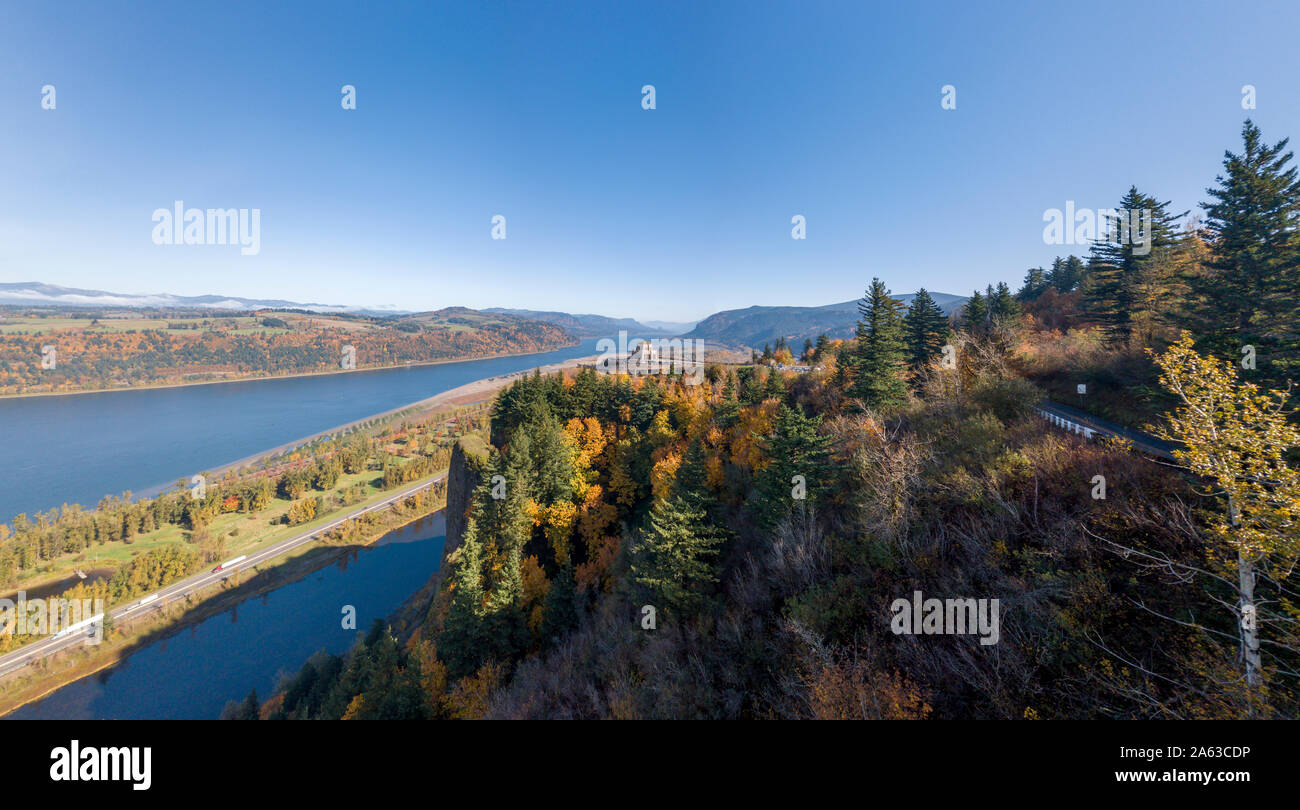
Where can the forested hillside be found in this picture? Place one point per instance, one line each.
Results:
(49, 350)
(755, 326)
(645, 547)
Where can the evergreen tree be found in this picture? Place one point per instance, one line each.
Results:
(774, 388)
(550, 458)
(672, 558)
(1065, 274)
(751, 390)
(975, 314)
(504, 527)
(823, 345)
(796, 448)
(1035, 284)
(1129, 258)
(881, 351)
(559, 609)
(1250, 293)
(691, 480)
(251, 708)
(1003, 306)
(926, 329)
(461, 645)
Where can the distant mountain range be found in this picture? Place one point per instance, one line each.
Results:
(756, 326)
(751, 327)
(598, 325)
(31, 293)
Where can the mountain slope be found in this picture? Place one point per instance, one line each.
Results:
(587, 325)
(755, 326)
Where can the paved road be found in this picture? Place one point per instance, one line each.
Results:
(34, 651)
(1078, 421)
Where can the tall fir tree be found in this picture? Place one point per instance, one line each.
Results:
(926, 330)
(797, 448)
(975, 314)
(1127, 258)
(823, 345)
(1065, 274)
(1250, 292)
(1034, 285)
(462, 642)
(673, 558)
(1003, 306)
(880, 351)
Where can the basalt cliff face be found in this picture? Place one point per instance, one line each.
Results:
(464, 474)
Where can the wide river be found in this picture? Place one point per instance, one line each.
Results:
(192, 673)
(81, 447)
(75, 449)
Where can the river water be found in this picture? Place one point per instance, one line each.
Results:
(75, 449)
(192, 673)
(78, 448)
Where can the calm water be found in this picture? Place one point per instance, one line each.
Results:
(76, 449)
(192, 674)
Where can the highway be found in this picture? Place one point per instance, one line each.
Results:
(1087, 425)
(139, 606)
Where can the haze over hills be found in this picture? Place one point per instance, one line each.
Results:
(755, 326)
(750, 327)
(587, 325)
(36, 294)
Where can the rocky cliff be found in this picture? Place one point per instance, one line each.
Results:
(463, 475)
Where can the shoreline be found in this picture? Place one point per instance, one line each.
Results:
(293, 567)
(469, 393)
(163, 386)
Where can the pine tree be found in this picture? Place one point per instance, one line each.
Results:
(1119, 264)
(796, 448)
(823, 345)
(462, 643)
(926, 330)
(503, 528)
(673, 556)
(1035, 284)
(774, 387)
(1003, 306)
(560, 608)
(1250, 293)
(880, 350)
(975, 314)
(1065, 274)
(251, 708)
(691, 480)
(751, 390)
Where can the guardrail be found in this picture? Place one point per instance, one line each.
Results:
(1069, 424)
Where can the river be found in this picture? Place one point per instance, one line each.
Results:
(76, 448)
(193, 672)
(80, 447)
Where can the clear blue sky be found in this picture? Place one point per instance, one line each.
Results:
(533, 110)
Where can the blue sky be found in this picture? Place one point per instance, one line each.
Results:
(533, 111)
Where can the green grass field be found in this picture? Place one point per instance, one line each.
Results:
(243, 533)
